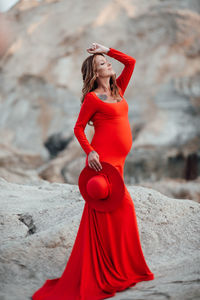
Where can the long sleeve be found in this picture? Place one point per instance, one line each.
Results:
(129, 65)
(87, 110)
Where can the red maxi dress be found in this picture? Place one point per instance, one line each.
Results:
(107, 256)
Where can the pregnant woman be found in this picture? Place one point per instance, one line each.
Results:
(107, 256)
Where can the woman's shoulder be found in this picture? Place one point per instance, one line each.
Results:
(91, 93)
(88, 94)
(90, 97)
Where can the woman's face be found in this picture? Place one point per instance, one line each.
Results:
(103, 67)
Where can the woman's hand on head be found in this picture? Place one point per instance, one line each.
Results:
(97, 48)
(93, 161)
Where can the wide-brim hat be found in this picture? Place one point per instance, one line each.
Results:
(103, 190)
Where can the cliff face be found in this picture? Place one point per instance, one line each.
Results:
(39, 223)
(40, 81)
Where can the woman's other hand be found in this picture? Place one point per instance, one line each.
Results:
(93, 161)
(97, 48)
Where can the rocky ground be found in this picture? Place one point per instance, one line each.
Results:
(40, 83)
(39, 223)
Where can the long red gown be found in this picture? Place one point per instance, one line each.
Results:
(107, 255)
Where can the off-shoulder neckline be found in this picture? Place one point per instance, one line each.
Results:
(107, 102)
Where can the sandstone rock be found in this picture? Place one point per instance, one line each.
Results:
(39, 223)
(17, 165)
(179, 188)
(42, 96)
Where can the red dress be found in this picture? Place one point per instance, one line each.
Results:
(107, 255)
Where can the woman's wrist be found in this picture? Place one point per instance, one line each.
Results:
(106, 50)
(91, 151)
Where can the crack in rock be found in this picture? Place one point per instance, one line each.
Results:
(28, 221)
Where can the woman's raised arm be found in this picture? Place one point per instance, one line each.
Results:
(129, 62)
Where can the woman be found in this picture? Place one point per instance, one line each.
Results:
(107, 256)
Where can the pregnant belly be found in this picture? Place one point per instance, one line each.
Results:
(113, 137)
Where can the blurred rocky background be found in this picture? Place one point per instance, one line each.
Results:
(40, 89)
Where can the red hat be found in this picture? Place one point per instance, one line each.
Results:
(103, 190)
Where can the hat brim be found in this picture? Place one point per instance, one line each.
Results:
(114, 200)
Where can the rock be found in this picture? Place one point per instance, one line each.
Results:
(17, 165)
(41, 92)
(58, 169)
(178, 189)
(169, 231)
(150, 163)
(42, 96)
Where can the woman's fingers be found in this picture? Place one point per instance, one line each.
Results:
(95, 165)
(93, 161)
(95, 48)
(92, 47)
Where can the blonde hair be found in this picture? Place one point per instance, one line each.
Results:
(88, 70)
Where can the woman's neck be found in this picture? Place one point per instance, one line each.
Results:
(104, 86)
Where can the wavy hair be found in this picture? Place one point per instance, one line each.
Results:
(88, 70)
